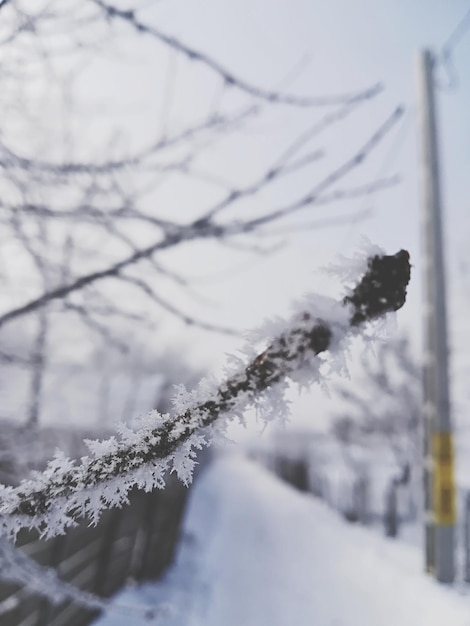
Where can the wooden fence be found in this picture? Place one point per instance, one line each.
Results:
(351, 498)
(136, 542)
(352, 501)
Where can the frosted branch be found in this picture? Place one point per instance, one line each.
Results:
(53, 500)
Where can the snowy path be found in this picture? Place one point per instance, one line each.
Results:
(257, 553)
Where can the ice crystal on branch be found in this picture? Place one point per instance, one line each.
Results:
(141, 456)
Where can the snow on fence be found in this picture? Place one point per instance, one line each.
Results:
(136, 542)
(353, 495)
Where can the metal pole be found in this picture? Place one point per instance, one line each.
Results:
(438, 446)
(466, 575)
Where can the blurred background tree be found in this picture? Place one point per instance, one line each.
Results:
(382, 420)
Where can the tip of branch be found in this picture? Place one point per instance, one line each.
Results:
(382, 289)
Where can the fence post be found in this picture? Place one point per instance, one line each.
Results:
(324, 487)
(316, 484)
(109, 531)
(362, 499)
(47, 609)
(300, 476)
(391, 511)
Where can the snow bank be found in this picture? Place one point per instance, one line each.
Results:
(257, 553)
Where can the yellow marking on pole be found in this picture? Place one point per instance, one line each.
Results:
(443, 479)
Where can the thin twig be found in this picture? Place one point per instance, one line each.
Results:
(129, 16)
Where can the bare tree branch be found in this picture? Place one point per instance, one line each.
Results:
(189, 320)
(101, 329)
(207, 229)
(217, 123)
(129, 16)
(362, 191)
(313, 196)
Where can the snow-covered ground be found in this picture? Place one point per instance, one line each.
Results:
(257, 553)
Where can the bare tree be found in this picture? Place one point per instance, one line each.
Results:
(383, 414)
(88, 228)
